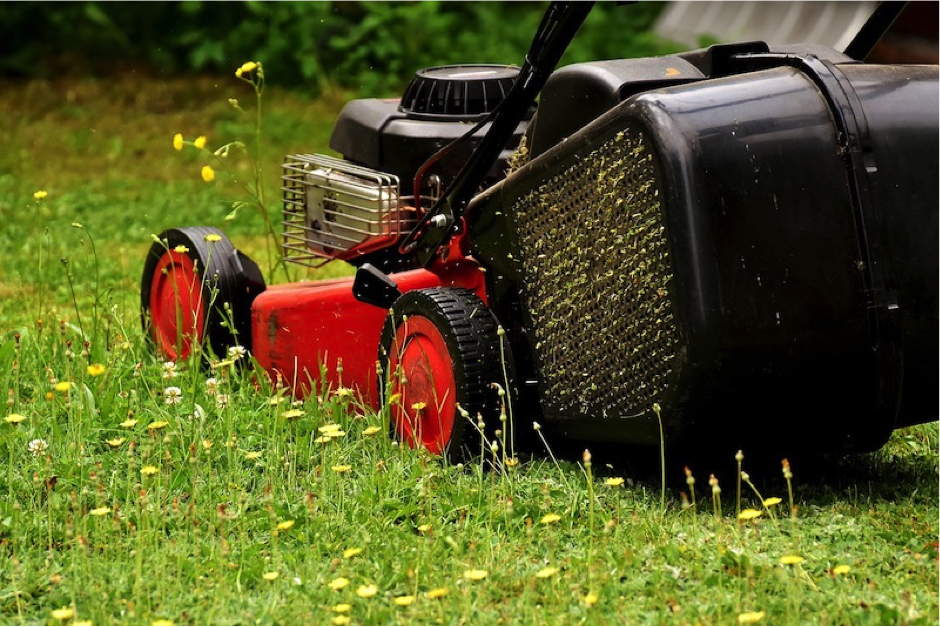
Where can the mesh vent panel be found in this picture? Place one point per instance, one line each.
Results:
(597, 274)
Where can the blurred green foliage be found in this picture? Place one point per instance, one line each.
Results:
(371, 46)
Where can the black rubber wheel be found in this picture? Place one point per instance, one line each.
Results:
(194, 283)
(440, 351)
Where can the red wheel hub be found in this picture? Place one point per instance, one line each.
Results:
(176, 308)
(425, 411)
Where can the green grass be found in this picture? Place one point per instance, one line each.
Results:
(82, 527)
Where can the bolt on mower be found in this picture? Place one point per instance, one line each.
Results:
(740, 242)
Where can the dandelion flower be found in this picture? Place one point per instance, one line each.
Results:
(130, 422)
(63, 613)
(115, 442)
(100, 511)
(95, 370)
(340, 619)
(341, 468)
(157, 425)
(790, 560)
(353, 552)
(749, 514)
(548, 519)
(293, 414)
(285, 525)
(342, 608)
(40, 194)
(614, 482)
(200, 142)
(207, 173)
(271, 576)
(235, 352)
(63, 386)
(253, 455)
(339, 583)
(750, 617)
(37, 447)
(14, 419)
(178, 141)
(590, 599)
(547, 572)
(404, 600)
(149, 471)
(437, 593)
(841, 569)
(367, 592)
(371, 430)
(772, 501)
(172, 395)
(475, 574)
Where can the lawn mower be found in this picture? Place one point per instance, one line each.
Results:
(737, 243)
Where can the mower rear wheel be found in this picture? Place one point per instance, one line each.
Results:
(440, 351)
(191, 277)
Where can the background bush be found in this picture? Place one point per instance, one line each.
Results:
(371, 46)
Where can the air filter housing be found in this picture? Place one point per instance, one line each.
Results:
(756, 254)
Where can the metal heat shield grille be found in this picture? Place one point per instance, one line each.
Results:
(597, 276)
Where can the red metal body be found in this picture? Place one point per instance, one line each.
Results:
(299, 327)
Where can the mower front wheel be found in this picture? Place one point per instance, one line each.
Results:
(197, 287)
(440, 353)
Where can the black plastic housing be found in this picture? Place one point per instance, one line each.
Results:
(797, 200)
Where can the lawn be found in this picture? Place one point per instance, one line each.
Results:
(239, 504)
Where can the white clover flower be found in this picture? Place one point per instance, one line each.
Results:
(169, 370)
(222, 400)
(37, 447)
(212, 386)
(173, 395)
(236, 352)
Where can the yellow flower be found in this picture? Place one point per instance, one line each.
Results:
(178, 141)
(100, 511)
(341, 468)
(790, 560)
(161, 622)
(772, 501)
(330, 428)
(371, 430)
(748, 514)
(293, 414)
(285, 525)
(367, 592)
(213, 237)
(208, 174)
(271, 576)
(40, 194)
(841, 569)
(404, 600)
(200, 142)
(340, 619)
(342, 608)
(115, 442)
(95, 370)
(437, 593)
(157, 425)
(14, 419)
(323, 439)
(63, 386)
(475, 574)
(339, 583)
(546, 572)
(207, 444)
(750, 617)
(590, 599)
(614, 482)
(253, 455)
(425, 528)
(417, 407)
(348, 553)
(246, 67)
(63, 613)
(130, 422)
(149, 471)
(548, 519)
